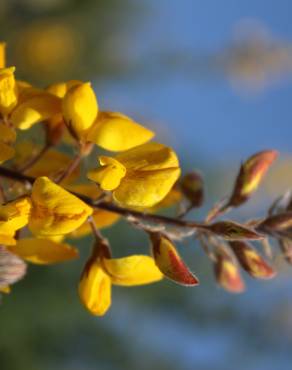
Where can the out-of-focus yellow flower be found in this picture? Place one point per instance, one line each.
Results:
(43, 251)
(51, 163)
(140, 177)
(13, 216)
(116, 132)
(8, 91)
(2, 54)
(7, 137)
(54, 210)
(100, 273)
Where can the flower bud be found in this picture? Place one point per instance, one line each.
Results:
(250, 176)
(80, 108)
(192, 188)
(251, 261)
(227, 274)
(232, 231)
(169, 261)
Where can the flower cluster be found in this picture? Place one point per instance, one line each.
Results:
(47, 199)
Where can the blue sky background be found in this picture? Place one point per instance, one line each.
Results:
(210, 124)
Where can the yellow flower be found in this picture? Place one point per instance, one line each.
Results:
(54, 210)
(43, 251)
(13, 216)
(100, 273)
(8, 90)
(80, 109)
(7, 137)
(34, 105)
(116, 132)
(110, 130)
(140, 177)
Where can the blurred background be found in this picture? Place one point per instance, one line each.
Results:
(213, 79)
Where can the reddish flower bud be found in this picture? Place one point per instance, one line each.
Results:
(277, 224)
(227, 274)
(251, 261)
(250, 176)
(169, 261)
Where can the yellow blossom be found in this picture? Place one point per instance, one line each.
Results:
(80, 108)
(43, 251)
(35, 105)
(8, 90)
(140, 177)
(100, 273)
(54, 210)
(116, 132)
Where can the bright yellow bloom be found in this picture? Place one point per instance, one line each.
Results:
(8, 90)
(54, 210)
(13, 216)
(61, 88)
(34, 106)
(80, 109)
(140, 177)
(100, 273)
(43, 251)
(116, 132)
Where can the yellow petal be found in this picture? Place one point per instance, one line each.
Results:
(171, 199)
(149, 157)
(55, 211)
(8, 90)
(14, 215)
(101, 218)
(132, 270)
(80, 108)
(43, 252)
(144, 189)
(109, 176)
(169, 261)
(60, 89)
(95, 288)
(52, 163)
(6, 152)
(2, 54)
(35, 109)
(116, 132)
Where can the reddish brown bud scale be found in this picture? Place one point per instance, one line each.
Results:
(169, 261)
(193, 188)
(12, 268)
(227, 274)
(233, 231)
(250, 176)
(251, 261)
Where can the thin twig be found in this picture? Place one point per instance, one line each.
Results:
(68, 171)
(108, 206)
